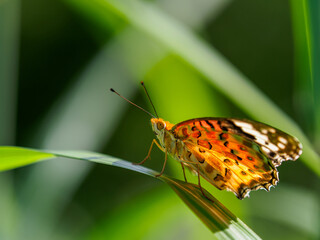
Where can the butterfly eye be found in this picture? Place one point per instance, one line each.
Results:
(160, 125)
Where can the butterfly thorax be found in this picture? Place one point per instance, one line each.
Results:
(167, 139)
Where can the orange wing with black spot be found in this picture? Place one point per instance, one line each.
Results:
(237, 155)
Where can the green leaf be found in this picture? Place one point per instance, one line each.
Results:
(218, 218)
(13, 157)
(213, 214)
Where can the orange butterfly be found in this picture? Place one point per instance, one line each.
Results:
(232, 154)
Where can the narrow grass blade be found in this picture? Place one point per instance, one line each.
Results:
(14, 157)
(306, 32)
(217, 218)
(213, 214)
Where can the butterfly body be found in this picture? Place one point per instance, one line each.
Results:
(232, 154)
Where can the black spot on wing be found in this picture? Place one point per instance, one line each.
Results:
(210, 124)
(221, 136)
(224, 129)
(272, 154)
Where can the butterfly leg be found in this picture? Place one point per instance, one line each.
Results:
(148, 156)
(201, 187)
(184, 172)
(164, 164)
(183, 169)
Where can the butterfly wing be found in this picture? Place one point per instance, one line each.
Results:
(237, 155)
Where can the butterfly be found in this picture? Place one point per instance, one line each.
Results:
(232, 154)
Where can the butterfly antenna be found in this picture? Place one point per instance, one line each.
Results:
(144, 87)
(112, 90)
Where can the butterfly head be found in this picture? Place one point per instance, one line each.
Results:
(158, 126)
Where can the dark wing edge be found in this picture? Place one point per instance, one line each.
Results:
(276, 144)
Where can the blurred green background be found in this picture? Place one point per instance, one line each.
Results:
(58, 60)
